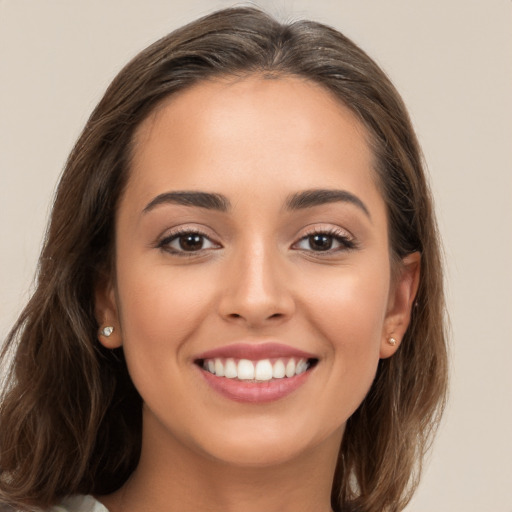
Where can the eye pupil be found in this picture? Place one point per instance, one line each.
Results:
(191, 242)
(320, 242)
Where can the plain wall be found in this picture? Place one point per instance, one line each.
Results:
(452, 62)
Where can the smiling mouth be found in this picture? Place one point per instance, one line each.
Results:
(257, 371)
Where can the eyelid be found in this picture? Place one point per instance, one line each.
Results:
(173, 234)
(342, 236)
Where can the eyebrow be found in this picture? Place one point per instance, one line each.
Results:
(317, 197)
(219, 202)
(206, 200)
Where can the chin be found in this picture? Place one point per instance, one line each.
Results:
(265, 446)
(257, 455)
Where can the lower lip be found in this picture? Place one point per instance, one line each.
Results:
(252, 392)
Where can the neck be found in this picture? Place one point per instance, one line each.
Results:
(171, 477)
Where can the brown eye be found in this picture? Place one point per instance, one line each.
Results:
(320, 242)
(328, 242)
(187, 242)
(191, 242)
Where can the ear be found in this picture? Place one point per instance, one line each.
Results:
(401, 299)
(105, 310)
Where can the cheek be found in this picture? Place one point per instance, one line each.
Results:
(350, 306)
(348, 312)
(160, 310)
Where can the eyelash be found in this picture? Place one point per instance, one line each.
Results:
(340, 236)
(164, 244)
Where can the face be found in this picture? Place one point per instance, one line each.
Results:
(253, 294)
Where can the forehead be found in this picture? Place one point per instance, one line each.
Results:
(271, 134)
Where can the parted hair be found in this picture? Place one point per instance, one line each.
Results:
(70, 417)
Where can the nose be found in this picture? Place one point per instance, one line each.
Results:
(256, 290)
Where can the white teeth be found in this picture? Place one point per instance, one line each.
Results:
(230, 370)
(290, 368)
(245, 369)
(219, 368)
(261, 370)
(278, 370)
(302, 366)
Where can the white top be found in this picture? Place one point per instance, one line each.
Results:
(79, 504)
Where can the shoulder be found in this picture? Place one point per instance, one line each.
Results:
(79, 504)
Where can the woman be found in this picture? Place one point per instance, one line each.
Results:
(239, 303)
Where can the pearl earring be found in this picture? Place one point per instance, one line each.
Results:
(107, 331)
(392, 341)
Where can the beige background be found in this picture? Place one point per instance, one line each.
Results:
(452, 62)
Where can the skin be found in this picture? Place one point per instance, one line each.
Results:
(257, 278)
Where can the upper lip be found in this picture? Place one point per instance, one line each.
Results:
(255, 351)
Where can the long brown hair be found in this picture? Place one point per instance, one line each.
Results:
(70, 418)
